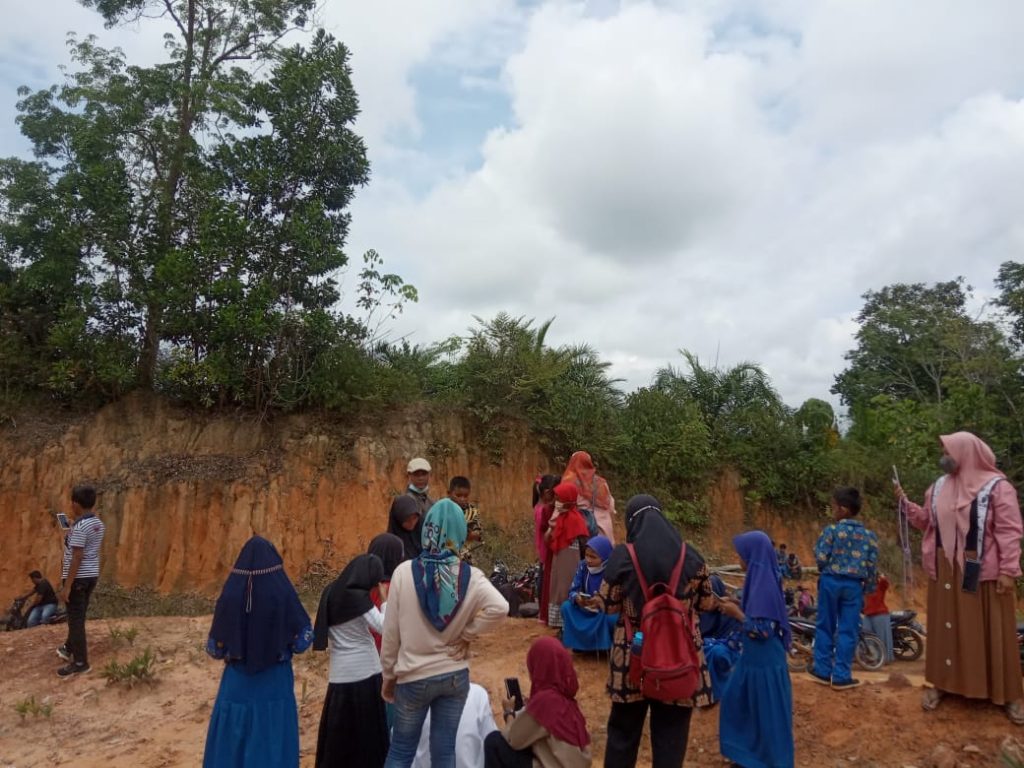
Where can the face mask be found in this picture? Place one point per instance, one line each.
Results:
(559, 506)
(947, 464)
(414, 489)
(595, 571)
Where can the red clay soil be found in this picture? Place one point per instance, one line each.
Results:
(94, 725)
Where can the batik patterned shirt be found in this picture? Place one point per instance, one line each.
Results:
(848, 549)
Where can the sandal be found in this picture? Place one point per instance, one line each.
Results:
(1015, 711)
(930, 700)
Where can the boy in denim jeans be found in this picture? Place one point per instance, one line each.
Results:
(847, 555)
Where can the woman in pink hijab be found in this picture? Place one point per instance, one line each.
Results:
(971, 552)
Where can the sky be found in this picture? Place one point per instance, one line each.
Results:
(722, 176)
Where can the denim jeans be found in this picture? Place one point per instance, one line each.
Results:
(41, 613)
(443, 696)
(837, 630)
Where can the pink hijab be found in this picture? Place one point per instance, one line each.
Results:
(975, 466)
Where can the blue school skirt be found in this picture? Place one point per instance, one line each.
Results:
(254, 723)
(756, 714)
(584, 630)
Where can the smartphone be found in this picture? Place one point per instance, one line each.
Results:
(62, 520)
(972, 575)
(514, 692)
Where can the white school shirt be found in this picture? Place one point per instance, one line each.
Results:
(354, 655)
(476, 724)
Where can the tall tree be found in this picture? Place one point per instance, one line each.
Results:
(201, 202)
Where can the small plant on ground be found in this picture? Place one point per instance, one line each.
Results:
(30, 706)
(141, 669)
(119, 635)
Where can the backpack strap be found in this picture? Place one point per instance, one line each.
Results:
(673, 581)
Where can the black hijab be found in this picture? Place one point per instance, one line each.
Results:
(657, 544)
(391, 551)
(402, 508)
(347, 597)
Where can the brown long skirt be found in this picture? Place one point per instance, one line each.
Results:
(972, 639)
(563, 571)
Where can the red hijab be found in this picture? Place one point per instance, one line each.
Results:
(592, 487)
(553, 687)
(569, 523)
(975, 466)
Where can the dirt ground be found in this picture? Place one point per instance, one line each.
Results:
(164, 724)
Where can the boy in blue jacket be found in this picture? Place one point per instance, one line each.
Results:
(847, 555)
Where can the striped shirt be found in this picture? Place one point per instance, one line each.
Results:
(86, 534)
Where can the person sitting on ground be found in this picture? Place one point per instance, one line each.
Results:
(437, 606)
(756, 716)
(258, 624)
(354, 719)
(406, 522)
(458, 491)
(847, 554)
(417, 474)
(804, 602)
(584, 628)
(45, 604)
(475, 725)
(550, 731)
(793, 569)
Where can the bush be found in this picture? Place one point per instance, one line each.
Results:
(30, 706)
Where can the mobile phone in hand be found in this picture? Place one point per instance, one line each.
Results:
(514, 692)
(62, 520)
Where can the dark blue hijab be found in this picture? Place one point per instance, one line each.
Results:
(762, 589)
(258, 620)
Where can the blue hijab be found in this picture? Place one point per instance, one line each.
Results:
(762, 590)
(441, 578)
(592, 581)
(258, 619)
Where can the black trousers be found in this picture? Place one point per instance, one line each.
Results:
(78, 605)
(498, 754)
(670, 731)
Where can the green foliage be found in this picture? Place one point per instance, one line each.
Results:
(30, 706)
(139, 669)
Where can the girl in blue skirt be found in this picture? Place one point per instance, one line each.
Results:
(584, 628)
(756, 717)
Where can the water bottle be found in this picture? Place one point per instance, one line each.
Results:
(637, 645)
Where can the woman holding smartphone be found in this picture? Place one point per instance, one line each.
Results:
(548, 729)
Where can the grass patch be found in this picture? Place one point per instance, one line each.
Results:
(30, 706)
(123, 635)
(141, 669)
(110, 601)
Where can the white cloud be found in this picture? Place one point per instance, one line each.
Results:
(726, 176)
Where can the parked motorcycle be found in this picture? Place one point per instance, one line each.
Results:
(17, 616)
(520, 591)
(870, 653)
(907, 635)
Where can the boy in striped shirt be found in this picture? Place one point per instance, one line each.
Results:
(79, 574)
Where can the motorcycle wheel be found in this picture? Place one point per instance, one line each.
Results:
(799, 659)
(870, 652)
(908, 645)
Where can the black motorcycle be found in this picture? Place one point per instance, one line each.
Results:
(907, 635)
(17, 616)
(870, 653)
(520, 591)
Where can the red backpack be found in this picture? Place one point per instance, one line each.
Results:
(669, 665)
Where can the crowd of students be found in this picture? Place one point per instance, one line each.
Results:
(399, 621)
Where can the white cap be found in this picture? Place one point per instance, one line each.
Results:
(418, 465)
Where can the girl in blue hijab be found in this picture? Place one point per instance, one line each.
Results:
(756, 717)
(257, 625)
(584, 628)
